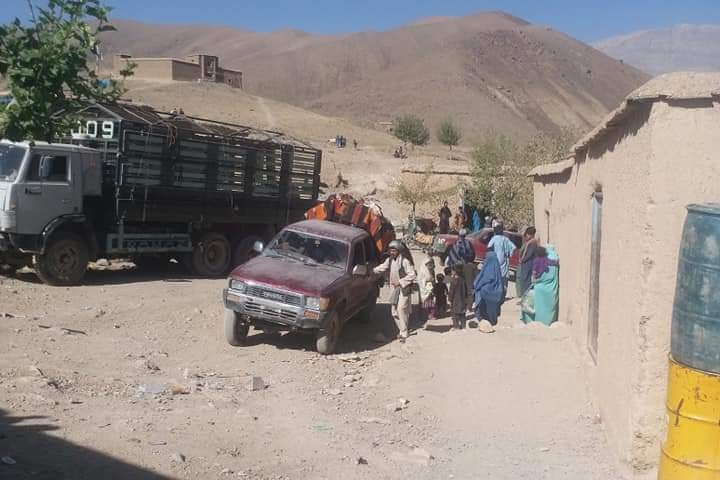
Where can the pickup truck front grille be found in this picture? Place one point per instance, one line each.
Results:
(275, 295)
(256, 309)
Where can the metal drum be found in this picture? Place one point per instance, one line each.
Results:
(692, 448)
(695, 340)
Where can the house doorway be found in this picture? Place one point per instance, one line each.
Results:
(594, 301)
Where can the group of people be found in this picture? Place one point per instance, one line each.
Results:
(464, 217)
(464, 288)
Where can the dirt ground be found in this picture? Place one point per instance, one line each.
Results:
(130, 377)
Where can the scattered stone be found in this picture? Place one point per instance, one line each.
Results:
(362, 461)
(226, 471)
(8, 460)
(545, 449)
(134, 440)
(35, 371)
(350, 358)
(100, 313)
(157, 443)
(416, 456)
(7, 315)
(150, 365)
(151, 389)
(379, 421)
(178, 389)
(255, 383)
(177, 457)
(334, 392)
(116, 325)
(352, 378)
(396, 406)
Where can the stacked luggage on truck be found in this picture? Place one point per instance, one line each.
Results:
(343, 208)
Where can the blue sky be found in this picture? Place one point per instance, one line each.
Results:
(587, 20)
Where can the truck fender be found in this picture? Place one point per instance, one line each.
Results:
(78, 224)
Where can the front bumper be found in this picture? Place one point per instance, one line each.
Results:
(272, 313)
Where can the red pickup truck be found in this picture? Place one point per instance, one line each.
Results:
(479, 240)
(313, 276)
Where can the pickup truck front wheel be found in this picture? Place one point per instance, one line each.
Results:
(64, 262)
(236, 331)
(327, 337)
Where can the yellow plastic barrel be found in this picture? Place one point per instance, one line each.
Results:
(692, 447)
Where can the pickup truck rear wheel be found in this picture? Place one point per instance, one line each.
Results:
(327, 337)
(64, 262)
(236, 331)
(211, 255)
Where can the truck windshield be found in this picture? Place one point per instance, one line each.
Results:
(309, 249)
(11, 156)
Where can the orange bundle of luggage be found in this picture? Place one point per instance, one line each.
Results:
(343, 208)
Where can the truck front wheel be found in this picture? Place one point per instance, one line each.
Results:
(236, 331)
(212, 255)
(64, 262)
(327, 337)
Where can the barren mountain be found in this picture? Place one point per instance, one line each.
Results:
(488, 71)
(678, 48)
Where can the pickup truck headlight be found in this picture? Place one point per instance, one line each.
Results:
(317, 303)
(238, 285)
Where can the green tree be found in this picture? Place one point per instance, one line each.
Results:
(46, 67)
(410, 128)
(414, 189)
(499, 181)
(448, 133)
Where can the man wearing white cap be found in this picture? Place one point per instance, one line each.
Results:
(402, 277)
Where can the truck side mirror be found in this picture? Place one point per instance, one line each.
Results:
(360, 271)
(45, 167)
(258, 247)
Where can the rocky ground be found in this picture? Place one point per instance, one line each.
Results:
(130, 377)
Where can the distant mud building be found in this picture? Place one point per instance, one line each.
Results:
(192, 68)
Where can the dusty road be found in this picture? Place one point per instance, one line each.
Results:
(87, 377)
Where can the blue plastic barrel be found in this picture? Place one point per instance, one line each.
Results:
(695, 340)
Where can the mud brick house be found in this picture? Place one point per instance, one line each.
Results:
(197, 67)
(614, 209)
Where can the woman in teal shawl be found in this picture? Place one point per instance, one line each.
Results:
(540, 303)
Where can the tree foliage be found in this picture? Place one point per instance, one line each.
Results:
(414, 189)
(46, 67)
(499, 173)
(412, 129)
(448, 133)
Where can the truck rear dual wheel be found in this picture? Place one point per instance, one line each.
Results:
(64, 262)
(211, 256)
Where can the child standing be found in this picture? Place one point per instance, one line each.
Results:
(440, 293)
(458, 297)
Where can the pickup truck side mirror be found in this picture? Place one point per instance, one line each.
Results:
(360, 271)
(258, 247)
(45, 167)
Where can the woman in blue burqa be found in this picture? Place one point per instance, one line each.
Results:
(489, 289)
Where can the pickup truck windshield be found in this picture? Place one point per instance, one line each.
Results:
(309, 249)
(11, 157)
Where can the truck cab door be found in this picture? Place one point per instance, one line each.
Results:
(46, 191)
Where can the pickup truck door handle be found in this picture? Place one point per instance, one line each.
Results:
(33, 190)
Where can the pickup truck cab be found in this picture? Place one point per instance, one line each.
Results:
(313, 276)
